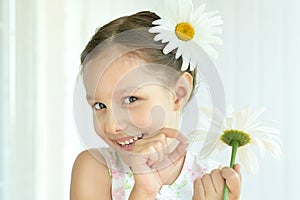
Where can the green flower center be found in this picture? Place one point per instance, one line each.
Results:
(235, 135)
(184, 31)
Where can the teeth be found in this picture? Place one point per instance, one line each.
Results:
(140, 136)
(132, 140)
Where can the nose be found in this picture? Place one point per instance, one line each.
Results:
(112, 125)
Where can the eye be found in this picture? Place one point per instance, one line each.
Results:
(99, 106)
(129, 100)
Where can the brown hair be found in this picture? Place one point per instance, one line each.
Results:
(132, 31)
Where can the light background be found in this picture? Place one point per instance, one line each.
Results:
(40, 45)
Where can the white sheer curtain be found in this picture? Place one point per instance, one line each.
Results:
(17, 100)
(41, 41)
(259, 66)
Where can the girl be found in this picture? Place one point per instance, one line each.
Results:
(137, 94)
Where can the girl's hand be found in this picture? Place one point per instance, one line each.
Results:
(211, 186)
(152, 162)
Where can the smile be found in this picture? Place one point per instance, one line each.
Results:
(128, 144)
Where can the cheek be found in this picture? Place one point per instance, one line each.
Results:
(98, 125)
(150, 117)
(140, 116)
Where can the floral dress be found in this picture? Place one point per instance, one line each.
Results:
(122, 178)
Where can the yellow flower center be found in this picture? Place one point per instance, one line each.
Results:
(184, 31)
(235, 135)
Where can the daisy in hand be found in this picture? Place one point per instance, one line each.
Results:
(185, 29)
(243, 130)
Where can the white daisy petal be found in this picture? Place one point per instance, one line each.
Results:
(213, 113)
(178, 53)
(185, 64)
(170, 47)
(210, 143)
(230, 110)
(253, 126)
(273, 148)
(158, 37)
(215, 21)
(192, 66)
(158, 22)
(198, 12)
(166, 36)
(214, 40)
(268, 130)
(253, 117)
(157, 29)
(248, 160)
(216, 31)
(212, 13)
(230, 124)
(185, 10)
(260, 145)
(217, 148)
(238, 121)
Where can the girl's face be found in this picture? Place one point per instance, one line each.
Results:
(128, 103)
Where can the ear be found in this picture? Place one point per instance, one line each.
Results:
(183, 90)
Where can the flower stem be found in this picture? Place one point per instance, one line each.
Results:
(234, 145)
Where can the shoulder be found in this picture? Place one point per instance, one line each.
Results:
(91, 158)
(90, 177)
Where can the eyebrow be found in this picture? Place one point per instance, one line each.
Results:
(120, 91)
(129, 89)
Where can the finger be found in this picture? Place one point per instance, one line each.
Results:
(218, 180)
(165, 158)
(173, 157)
(199, 192)
(232, 180)
(154, 148)
(136, 162)
(159, 154)
(153, 157)
(163, 139)
(169, 132)
(144, 154)
(142, 143)
(208, 186)
(180, 148)
(181, 138)
(237, 168)
(172, 133)
(178, 152)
